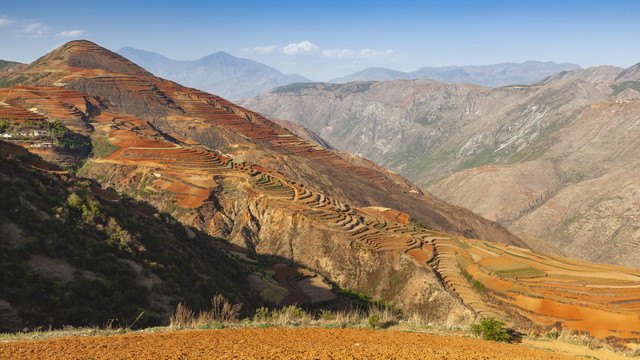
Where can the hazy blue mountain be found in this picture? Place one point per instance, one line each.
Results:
(485, 75)
(219, 73)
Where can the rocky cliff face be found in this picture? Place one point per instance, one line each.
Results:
(508, 153)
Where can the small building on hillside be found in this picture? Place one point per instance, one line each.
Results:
(6, 135)
(43, 145)
(40, 132)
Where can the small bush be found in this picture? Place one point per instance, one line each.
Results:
(490, 329)
(288, 315)
(552, 335)
(374, 320)
(326, 315)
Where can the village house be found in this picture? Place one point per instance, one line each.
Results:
(5, 135)
(39, 132)
(42, 145)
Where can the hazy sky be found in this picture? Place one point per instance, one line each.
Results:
(322, 39)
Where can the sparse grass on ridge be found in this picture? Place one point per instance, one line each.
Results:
(225, 315)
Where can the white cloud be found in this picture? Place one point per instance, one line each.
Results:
(301, 47)
(362, 54)
(72, 34)
(5, 21)
(33, 30)
(262, 49)
(339, 53)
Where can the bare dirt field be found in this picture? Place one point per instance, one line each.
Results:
(271, 343)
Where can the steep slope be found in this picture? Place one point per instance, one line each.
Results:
(630, 74)
(487, 75)
(231, 173)
(219, 73)
(74, 254)
(303, 133)
(545, 160)
(426, 129)
(581, 193)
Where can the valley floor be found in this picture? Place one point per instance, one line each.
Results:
(271, 343)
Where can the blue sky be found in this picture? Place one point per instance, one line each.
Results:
(326, 39)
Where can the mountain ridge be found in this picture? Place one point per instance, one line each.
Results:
(220, 72)
(484, 75)
(445, 135)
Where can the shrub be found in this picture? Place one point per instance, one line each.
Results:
(326, 315)
(74, 201)
(552, 335)
(490, 329)
(288, 315)
(262, 314)
(374, 320)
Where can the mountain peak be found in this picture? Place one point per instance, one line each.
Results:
(74, 56)
(220, 72)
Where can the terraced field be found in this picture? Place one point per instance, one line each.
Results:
(491, 279)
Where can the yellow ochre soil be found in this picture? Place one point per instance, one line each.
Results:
(271, 343)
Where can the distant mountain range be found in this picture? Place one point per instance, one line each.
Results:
(487, 75)
(219, 73)
(556, 161)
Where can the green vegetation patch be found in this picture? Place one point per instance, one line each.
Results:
(618, 88)
(490, 329)
(521, 272)
(102, 147)
(292, 88)
(477, 285)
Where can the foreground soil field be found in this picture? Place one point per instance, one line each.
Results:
(270, 343)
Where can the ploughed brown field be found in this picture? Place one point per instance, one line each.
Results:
(271, 343)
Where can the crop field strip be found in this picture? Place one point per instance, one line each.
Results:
(579, 293)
